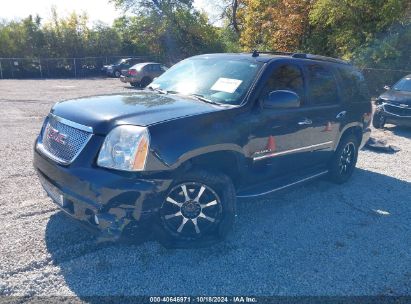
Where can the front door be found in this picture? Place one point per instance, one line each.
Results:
(281, 139)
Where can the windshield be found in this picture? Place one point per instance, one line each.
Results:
(119, 61)
(138, 66)
(220, 80)
(403, 85)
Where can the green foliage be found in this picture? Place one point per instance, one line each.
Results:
(60, 37)
(340, 27)
(369, 32)
(169, 28)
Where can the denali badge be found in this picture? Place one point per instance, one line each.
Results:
(55, 135)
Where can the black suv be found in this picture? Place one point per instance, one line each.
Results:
(394, 106)
(211, 129)
(114, 70)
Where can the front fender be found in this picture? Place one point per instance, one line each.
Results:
(175, 142)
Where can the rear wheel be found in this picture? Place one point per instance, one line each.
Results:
(198, 210)
(145, 82)
(117, 74)
(378, 120)
(344, 159)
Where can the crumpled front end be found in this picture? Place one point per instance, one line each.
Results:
(105, 200)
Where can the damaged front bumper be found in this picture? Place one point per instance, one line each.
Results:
(106, 201)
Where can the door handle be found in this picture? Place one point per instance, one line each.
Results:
(341, 114)
(306, 121)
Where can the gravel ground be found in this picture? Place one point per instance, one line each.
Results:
(319, 239)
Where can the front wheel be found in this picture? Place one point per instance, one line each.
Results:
(344, 159)
(378, 120)
(198, 209)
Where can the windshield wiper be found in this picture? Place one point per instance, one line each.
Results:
(197, 96)
(202, 98)
(158, 90)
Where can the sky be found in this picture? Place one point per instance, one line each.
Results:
(96, 9)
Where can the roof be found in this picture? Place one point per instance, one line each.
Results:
(268, 56)
(145, 63)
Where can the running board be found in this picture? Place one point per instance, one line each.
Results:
(265, 190)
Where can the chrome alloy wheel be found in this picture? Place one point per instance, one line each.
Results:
(347, 158)
(191, 209)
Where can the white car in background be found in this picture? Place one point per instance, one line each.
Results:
(142, 74)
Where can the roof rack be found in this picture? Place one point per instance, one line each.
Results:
(256, 53)
(319, 57)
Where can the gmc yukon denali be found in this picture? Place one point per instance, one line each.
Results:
(210, 130)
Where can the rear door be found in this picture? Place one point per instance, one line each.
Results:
(324, 108)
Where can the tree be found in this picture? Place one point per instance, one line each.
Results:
(171, 28)
(281, 25)
(341, 27)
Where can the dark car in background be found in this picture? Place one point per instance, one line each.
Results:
(394, 105)
(142, 74)
(211, 129)
(114, 70)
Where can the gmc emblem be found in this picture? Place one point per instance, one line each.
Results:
(55, 135)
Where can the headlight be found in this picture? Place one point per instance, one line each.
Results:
(125, 148)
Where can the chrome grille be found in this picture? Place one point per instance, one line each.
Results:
(63, 140)
(397, 110)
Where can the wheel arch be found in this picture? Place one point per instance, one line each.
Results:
(354, 129)
(229, 163)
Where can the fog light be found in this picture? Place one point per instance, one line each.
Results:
(96, 219)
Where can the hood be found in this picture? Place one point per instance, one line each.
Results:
(397, 96)
(144, 108)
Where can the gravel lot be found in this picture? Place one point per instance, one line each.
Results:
(320, 239)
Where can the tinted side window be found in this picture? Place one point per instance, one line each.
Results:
(322, 87)
(353, 85)
(285, 77)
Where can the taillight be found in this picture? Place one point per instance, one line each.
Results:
(132, 72)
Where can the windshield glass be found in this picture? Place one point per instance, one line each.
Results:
(117, 62)
(403, 85)
(220, 80)
(138, 66)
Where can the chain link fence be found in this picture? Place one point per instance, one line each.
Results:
(26, 68)
(378, 78)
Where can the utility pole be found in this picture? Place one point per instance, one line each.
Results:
(41, 71)
(1, 71)
(75, 68)
(11, 64)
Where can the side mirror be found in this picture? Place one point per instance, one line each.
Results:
(387, 87)
(281, 99)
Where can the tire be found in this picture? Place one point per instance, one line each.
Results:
(145, 82)
(344, 160)
(378, 120)
(198, 210)
(117, 74)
